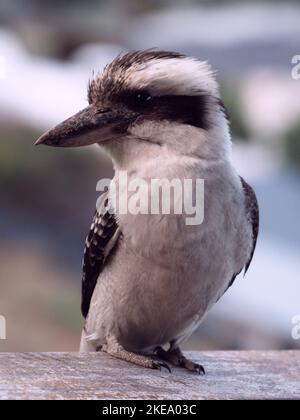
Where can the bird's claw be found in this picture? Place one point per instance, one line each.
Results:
(192, 367)
(176, 358)
(199, 369)
(159, 365)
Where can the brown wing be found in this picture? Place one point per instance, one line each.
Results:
(102, 238)
(253, 218)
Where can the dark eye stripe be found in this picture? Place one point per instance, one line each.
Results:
(144, 97)
(137, 100)
(191, 110)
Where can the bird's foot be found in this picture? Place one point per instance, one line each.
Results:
(113, 348)
(176, 358)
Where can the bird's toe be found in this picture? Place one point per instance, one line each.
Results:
(157, 364)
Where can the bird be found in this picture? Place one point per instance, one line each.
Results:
(150, 279)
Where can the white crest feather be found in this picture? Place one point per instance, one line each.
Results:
(173, 76)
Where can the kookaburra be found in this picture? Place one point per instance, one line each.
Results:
(149, 279)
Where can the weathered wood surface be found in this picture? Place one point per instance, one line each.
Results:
(230, 375)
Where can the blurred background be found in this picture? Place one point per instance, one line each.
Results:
(48, 51)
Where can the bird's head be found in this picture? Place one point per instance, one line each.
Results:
(152, 98)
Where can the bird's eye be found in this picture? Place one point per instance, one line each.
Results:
(139, 100)
(143, 98)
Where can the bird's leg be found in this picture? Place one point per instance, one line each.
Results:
(113, 348)
(176, 358)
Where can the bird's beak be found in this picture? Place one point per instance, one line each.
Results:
(88, 126)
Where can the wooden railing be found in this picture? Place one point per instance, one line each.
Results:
(229, 375)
